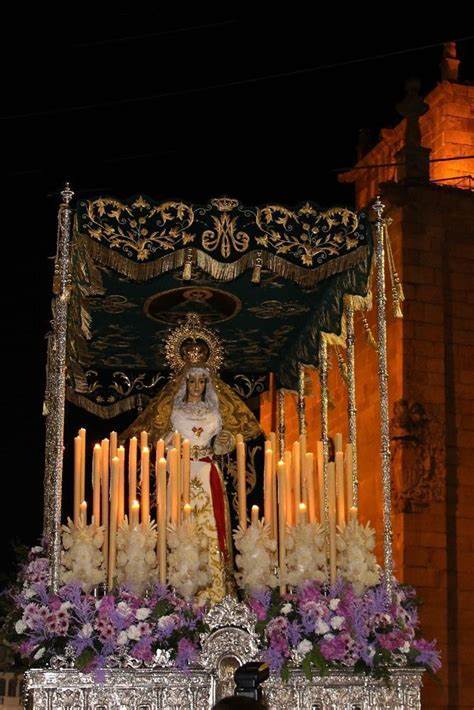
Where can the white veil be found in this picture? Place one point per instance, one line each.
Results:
(211, 400)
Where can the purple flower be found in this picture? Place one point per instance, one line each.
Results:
(428, 654)
(187, 654)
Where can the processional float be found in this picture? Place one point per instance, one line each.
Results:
(255, 291)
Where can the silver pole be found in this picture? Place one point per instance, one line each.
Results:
(379, 208)
(56, 390)
(351, 397)
(323, 384)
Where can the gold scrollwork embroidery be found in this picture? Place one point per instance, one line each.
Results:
(225, 235)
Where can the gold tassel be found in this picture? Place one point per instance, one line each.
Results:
(370, 338)
(257, 268)
(397, 289)
(188, 265)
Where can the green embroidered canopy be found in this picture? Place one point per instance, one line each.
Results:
(268, 279)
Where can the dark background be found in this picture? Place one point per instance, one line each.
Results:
(192, 106)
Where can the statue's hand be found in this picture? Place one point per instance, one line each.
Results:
(224, 443)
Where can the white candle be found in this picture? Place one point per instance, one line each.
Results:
(143, 439)
(82, 434)
(338, 442)
(177, 446)
(132, 472)
(83, 512)
(96, 470)
(282, 489)
(173, 485)
(186, 471)
(77, 478)
(254, 514)
(241, 481)
(289, 499)
(268, 491)
(296, 461)
(187, 511)
(273, 446)
(162, 517)
(341, 514)
(160, 450)
(332, 520)
(113, 445)
(309, 475)
(121, 485)
(320, 459)
(145, 479)
(302, 519)
(105, 498)
(135, 515)
(348, 472)
(114, 478)
(304, 482)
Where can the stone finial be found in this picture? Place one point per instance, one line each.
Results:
(450, 63)
(413, 157)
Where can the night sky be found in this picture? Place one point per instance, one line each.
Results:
(188, 106)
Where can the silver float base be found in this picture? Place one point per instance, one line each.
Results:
(231, 642)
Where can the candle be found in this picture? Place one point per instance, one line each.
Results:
(113, 445)
(268, 491)
(143, 439)
(309, 475)
(296, 460)
(145, 480)
(82, 434)
(348, 471)
(353, 512)
(254, 514)
(160, 450)
(161, 517)
(114, 478)
(282, 488)
(121, 485)
(187, 510)
(96, 466)
(289, 500)
(135, 515)
(341, 514)
(105, 496)
(173, 486)
(320, 459)
(177, 446)
(273, 446)
(132, 472)
(77, 478)
(338, 443)
(304, 482)
(186, 471)
(302, 514)
(241, 481)
(83, 512)
(332, 520)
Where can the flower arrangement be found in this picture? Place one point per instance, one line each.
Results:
(187, 559)
(91, 633)
(356, 561)
(320, 627)
(82, 560)
(136, 558)
(256, 560)
(305, 554)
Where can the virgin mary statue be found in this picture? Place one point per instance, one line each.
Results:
(206, 411)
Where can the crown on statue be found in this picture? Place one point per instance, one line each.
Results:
(193, 344)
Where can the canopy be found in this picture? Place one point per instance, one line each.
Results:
(269, 279)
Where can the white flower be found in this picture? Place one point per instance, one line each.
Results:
(329, 636)
(39, 653)
(65, 606)
(286, 608)
(333, 604)
(20, 626)
(321, 627)
(133, 632)
(164, 621)
(29, 592)
(86, 631)
(404, 648)
(36, 549)
(122, 638)
(123, 608)
(337, 621)
(142, 613)
(304, 647)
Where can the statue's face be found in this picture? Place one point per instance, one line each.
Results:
(196, 386)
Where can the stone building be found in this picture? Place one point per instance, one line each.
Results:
(423, 168)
